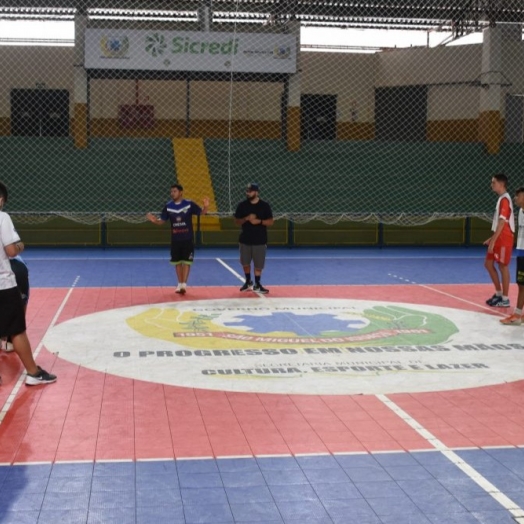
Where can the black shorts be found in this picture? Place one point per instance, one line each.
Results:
(182, 252)
(12, 314)
(520, 271)
(22, 278)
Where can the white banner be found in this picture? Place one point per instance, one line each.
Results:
(190, 51)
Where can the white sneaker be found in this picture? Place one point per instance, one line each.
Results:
(6, 346)
(181, 289)
(41, 377)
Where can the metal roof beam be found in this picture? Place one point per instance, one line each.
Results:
(463, 13)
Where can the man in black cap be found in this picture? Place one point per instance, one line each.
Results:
(254, 215)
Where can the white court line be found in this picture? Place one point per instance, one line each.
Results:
(269, 257)
(491, 309)
(230, 269)
(476, 304)
(516, 511)
(240, 277)
(21, 378)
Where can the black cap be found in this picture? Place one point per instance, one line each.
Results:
(252, 187)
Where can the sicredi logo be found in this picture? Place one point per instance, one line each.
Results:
(186, 44)
(156, 44)
(321, 346)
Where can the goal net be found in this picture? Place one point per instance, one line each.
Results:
(97, 123)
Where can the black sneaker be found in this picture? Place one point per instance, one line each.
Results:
(494, 300)
(248, 286)
(502, 303)
(42, 377)
(259, 288)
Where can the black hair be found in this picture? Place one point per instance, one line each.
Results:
(177, 186)
(501, 177)
(3, 192)
(519, 190)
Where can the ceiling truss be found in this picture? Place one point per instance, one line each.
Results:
(457, 16)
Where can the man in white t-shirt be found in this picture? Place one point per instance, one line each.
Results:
(21, 272)
(12, 314)
(516, 318)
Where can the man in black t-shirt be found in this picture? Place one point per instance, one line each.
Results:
(254, 215)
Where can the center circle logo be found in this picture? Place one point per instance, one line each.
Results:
(278, 345)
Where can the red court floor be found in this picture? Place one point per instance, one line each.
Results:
(89, 415)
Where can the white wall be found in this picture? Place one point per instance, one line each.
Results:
(22, 67)
(349, 76)
(352, 77)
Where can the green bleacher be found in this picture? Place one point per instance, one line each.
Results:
(367, 176)
(112, 175)
(120, 176)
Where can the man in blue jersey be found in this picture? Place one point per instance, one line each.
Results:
(180, 211)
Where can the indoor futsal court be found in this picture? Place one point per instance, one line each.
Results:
(369, 386)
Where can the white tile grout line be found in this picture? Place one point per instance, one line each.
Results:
(21, 378)
(229, 457)
(43, 463)
(274, 455)
(270, 256)
(319, 454)
(196, 458)
(516, 511)
(112, 461)
(158, 459)
(85, 461)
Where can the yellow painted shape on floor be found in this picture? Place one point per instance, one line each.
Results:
(193, 174)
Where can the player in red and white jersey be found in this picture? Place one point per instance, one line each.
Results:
(516, 318)
(500, 244)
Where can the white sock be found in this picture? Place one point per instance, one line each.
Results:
(518, 312)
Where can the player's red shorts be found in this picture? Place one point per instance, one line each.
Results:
(501, 253)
